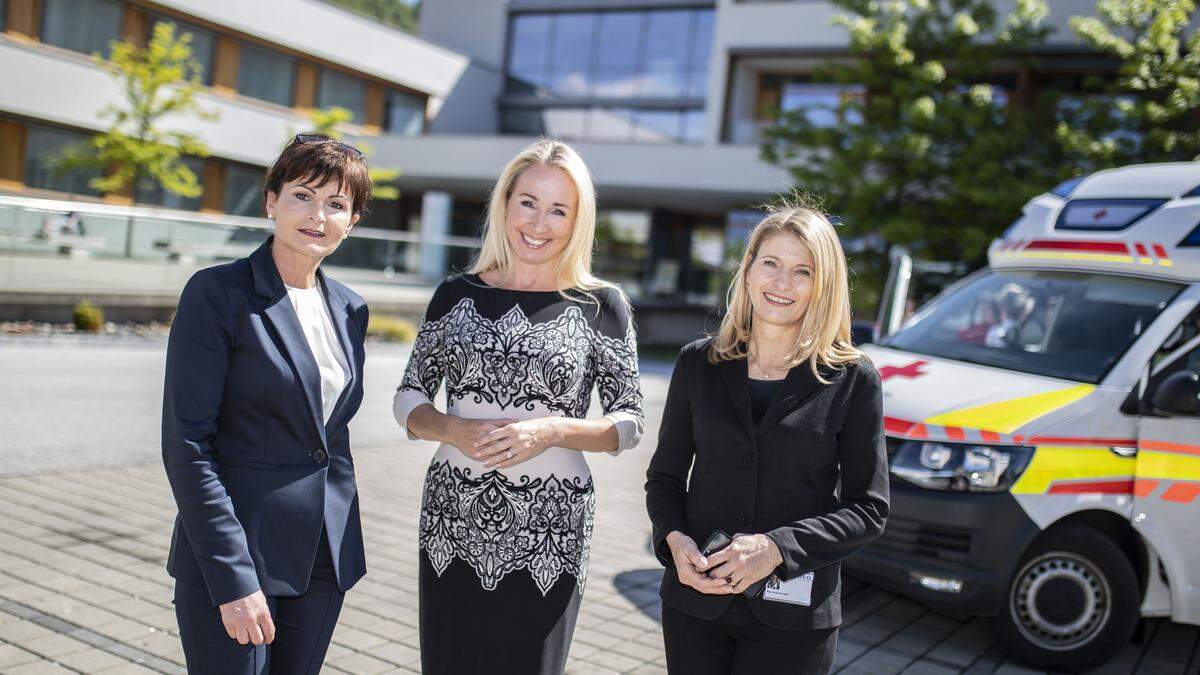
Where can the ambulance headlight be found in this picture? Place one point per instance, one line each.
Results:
(963, 467)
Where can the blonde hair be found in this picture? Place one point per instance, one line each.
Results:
(824, 338)
(574, 269)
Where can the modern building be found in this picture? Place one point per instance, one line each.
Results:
(665, 99)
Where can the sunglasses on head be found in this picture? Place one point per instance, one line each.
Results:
(300, 139)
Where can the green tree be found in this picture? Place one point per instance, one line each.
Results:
(396, 13)
(326, 122)
(158, 81)
(923, 149)
(1150, 112)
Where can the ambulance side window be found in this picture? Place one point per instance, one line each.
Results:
(1184, 334)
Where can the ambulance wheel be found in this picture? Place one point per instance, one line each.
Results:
(1073, 602)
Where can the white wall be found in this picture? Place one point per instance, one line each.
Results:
(55, 85)
(333, 34)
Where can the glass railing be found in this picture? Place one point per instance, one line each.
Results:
(46, 227)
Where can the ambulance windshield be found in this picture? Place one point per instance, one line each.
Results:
(1073, 326)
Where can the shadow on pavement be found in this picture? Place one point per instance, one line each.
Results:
(640, 587)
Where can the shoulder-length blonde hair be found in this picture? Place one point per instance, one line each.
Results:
(824, 338)
(574, 269)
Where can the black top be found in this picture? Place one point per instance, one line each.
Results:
(715, 469)
(762, 392)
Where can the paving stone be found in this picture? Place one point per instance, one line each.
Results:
(12, 656)
(91, 660)
(52, 646)
(362, 664)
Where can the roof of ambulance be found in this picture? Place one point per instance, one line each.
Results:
(1142, 220)
(1141, 181)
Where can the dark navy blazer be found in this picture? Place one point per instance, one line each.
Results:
(255, 471)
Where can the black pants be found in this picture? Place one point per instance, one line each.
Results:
(737, 643)
(303, 628)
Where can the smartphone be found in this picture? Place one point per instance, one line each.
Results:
(716, 541)
(719, 540)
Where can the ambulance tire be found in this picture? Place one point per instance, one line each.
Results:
(1072, 603)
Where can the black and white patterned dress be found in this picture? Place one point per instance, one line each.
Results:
(504, 552)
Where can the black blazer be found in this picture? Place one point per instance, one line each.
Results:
(255, 470)
(779, 478)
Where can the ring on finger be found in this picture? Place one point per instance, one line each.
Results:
(510, 455)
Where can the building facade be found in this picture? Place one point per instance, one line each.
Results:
(665, 99)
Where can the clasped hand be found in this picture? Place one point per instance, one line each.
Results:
(502, 443)
(749, 558)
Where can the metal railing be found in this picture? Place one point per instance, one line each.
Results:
(51, 227)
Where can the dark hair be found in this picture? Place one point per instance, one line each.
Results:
(321, 159)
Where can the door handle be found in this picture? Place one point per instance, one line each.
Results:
(1124, 450)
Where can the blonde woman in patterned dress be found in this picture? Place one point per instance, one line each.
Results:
(520, 340)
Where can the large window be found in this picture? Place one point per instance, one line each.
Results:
(621, 124)
(244, 190)
(86, 26)
(344, 91)
(405, 114)
(149, 191)
(43, 150)
(203, 45)
(266, 75)
(628, 75)
(622, 244)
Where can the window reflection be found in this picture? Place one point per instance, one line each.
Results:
(344, 91)
(636, 56)
(265, 75)
(529, 43)
(666, 53)
(43, 152)
(571, 55)
(244, 190)
(86, 26)
(405, 114)
(618, 38)
(607, 123)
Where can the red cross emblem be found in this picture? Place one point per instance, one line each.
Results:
(911, 371)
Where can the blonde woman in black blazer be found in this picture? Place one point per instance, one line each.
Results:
(761, 425)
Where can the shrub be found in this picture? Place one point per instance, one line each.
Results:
(391, 328)
(88, 317)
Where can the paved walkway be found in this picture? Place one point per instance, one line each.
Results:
(82, 586)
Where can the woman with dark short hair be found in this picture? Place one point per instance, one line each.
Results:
(770, 468)
(264, 372)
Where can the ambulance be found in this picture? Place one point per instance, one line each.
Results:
(1043, 424)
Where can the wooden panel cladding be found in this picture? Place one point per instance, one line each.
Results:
(227, 59)
(24, 17)
(305, 92)
(135, 25)
(376, 108)
(213, 199)
(12, 152)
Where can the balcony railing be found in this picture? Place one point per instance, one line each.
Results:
(46, 227)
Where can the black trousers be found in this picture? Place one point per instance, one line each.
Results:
(303, 627)
(737, 643)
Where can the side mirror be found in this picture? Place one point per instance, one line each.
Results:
(1178, 395)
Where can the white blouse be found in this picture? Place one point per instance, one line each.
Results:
(309, 304)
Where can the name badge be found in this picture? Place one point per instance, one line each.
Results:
(798, 591)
